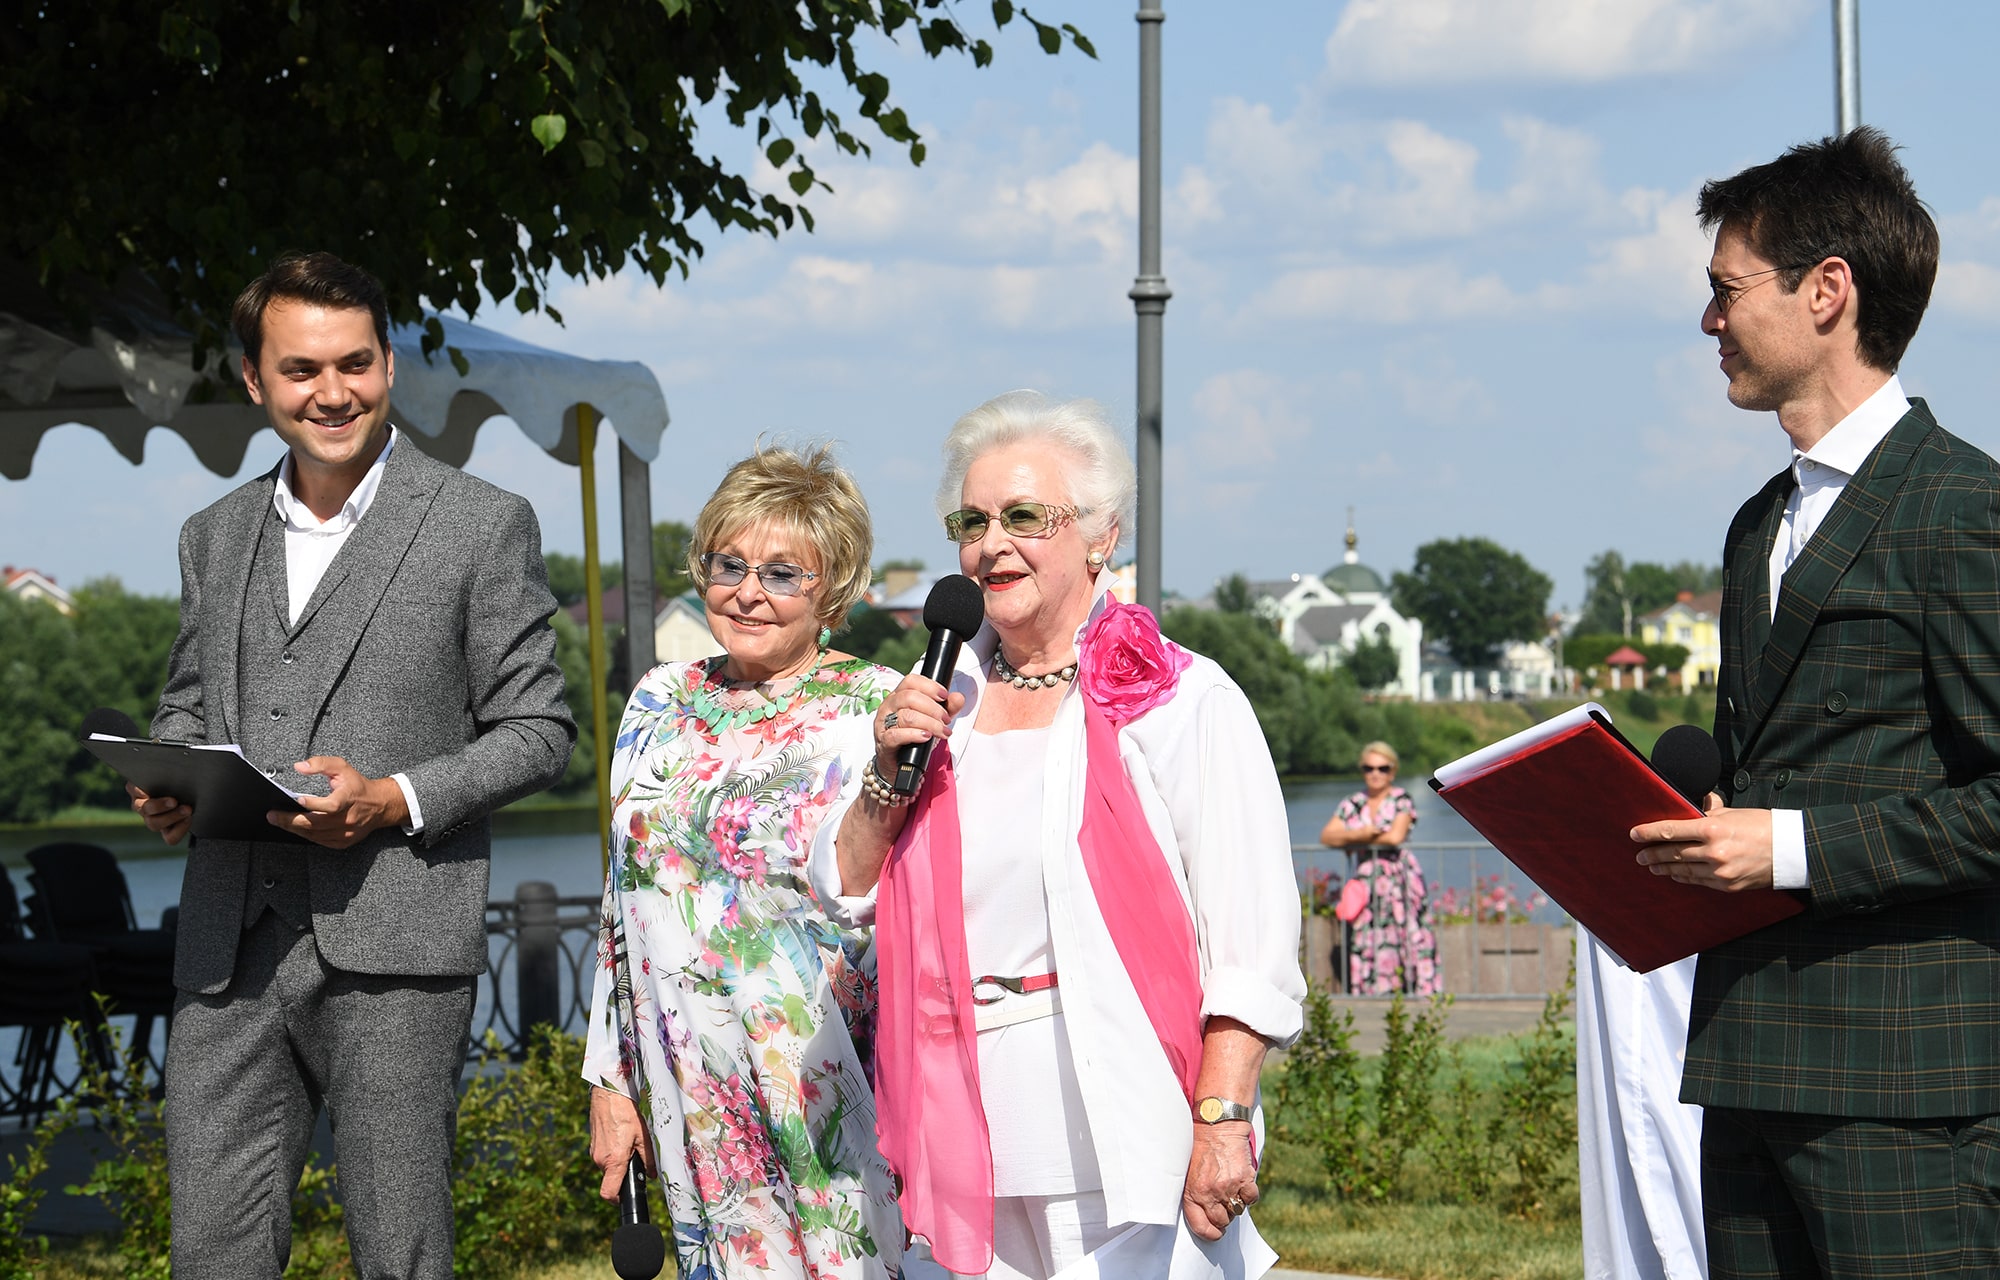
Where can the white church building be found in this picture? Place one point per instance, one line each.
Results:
(1323, 617)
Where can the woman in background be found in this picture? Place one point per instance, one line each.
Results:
(1393, 949)
(724, 996)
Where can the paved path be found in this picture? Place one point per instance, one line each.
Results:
(1498, 1016)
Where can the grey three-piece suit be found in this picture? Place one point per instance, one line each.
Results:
(345, 977)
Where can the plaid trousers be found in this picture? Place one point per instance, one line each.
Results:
(1792, 1197)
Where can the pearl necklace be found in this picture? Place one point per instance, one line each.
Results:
(1005, 671)
(721, 720)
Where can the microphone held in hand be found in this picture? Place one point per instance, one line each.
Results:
(953, 612)
(109, 721)
(638, 1251)
(1687, 757)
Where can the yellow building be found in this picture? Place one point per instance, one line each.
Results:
(1692, 621)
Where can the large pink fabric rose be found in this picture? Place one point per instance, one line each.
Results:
(1127, 667)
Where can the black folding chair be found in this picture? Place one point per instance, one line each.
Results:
(81, 899)
(43, 986)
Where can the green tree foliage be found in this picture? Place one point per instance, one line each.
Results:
(461, 150)
(573, 656)
(566, 577)
(1313, 721)
(1473, 595)
(670, 551)
(1233, 595)
(1649, 587)
(867, 631)
(1373, 662)
(53, 669)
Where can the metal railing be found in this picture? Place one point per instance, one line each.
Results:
(540, 955)
(1478, 959)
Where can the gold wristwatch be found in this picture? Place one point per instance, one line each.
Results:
(1214, 1110)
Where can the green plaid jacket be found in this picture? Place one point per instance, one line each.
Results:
(1872, 703)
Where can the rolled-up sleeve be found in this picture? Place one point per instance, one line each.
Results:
(823, 864)
(1218, 782)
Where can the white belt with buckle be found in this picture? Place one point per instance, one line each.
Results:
(1002, 1002)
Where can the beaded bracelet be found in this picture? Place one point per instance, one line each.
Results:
(872, 783)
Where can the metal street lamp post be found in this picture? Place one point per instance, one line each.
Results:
(1847, 64)
(1149, 300)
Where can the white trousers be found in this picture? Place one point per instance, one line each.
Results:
(1034, 1237)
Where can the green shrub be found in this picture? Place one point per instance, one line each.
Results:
(126, 1105)
(524, 1188)
(1362, 1137)
(1537, 1129)
(1642, 704)
(20, 1197)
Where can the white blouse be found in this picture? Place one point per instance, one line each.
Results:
(1210, 793)
(1043, 1146)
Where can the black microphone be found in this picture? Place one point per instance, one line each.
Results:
(109, 721)
(638, 1251)
(953, 612)
(1687, 757)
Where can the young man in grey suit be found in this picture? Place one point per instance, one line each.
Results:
(372, 626)
(1848, 1059)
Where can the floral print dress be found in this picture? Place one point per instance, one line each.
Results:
(1393, 948)
(733, 1030)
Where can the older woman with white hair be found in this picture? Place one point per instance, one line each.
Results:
(1087, 921)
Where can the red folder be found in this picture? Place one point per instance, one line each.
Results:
(1562, 808)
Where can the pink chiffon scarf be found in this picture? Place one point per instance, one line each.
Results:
(929, 1119)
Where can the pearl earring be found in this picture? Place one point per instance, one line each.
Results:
(1096, 559)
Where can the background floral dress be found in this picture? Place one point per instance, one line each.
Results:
(1394, 949)
(736, 1020)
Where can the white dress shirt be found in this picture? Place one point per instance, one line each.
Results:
(1210, 795)
(1821, 473)
(310, 546)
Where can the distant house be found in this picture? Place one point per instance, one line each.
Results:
(1525, 669)
(1694, 621)
(33, 584)
(680, 631)
(1323, 617)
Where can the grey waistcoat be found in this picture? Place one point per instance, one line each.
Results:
(274, 686)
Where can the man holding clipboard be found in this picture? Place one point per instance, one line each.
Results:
(371, 626)
(1848, 1058)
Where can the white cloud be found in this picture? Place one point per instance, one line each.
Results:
(1568, 41)
(1706, 451)
(1968, 289)
(1369, 295)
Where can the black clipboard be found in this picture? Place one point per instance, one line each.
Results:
(229, 796)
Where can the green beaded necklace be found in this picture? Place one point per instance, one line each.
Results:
(720, 720)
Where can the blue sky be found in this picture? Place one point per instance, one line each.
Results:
(1434, 259)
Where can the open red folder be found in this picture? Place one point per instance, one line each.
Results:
(1560, 800)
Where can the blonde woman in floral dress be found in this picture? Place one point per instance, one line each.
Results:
(1394, 948)
(726, 1004)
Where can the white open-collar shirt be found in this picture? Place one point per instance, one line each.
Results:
(1211, 798)
(310, 546)
(1822, 473)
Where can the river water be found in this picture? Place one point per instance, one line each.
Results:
(559, 846)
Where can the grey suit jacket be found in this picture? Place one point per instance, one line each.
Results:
(431, 629)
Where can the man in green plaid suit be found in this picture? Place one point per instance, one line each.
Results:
(1848, 1058)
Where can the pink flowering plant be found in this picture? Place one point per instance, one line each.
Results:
(1494, 900)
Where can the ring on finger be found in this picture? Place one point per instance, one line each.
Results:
(1236, 1205)
(889, 721)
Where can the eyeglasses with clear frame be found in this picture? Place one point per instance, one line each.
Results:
(1019, 519)
(1726, 292)
(779, 578)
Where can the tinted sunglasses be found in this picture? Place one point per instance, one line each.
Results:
(779, 578)
(1378, 768)
(1021, 519)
